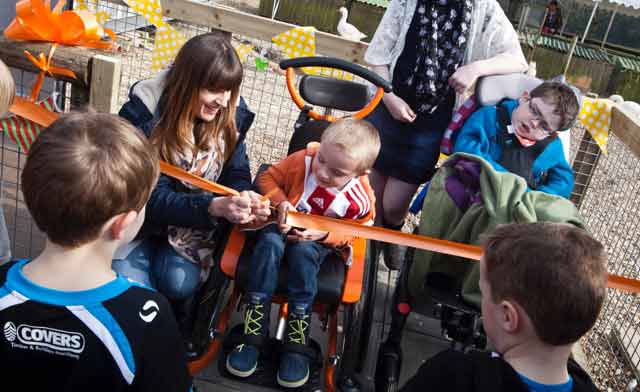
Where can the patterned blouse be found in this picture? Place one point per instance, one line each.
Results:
(491, 34)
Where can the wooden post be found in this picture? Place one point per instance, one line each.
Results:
(606, 34)
(586, 30)
(570, 55)
(105, 83)
(535, 43)
(227, 19)
(74, 58)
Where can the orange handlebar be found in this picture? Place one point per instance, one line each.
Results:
(360, 114)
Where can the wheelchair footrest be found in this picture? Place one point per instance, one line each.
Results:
(265, 374)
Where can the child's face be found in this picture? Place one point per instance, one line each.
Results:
(534, 119)
(332, 167)
(210, 102)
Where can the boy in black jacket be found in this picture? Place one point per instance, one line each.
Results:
(543, 285)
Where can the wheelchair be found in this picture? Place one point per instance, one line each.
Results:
(344, 291)
(458, 314)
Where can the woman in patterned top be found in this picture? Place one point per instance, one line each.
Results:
(430, 50)
(194, 116)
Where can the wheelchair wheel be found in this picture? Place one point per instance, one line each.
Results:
(369, 290)
(210, 300)
(210, 303)
(358, 318)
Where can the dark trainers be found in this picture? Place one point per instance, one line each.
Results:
(393, 256)
(243, 360)
(294, 361)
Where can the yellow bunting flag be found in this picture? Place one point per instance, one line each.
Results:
(243, 51)
(92, 6)
(167, 41)
(301, 42)
(595, 115)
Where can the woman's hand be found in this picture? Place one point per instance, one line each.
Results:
(283, 208)
(398, 108)
(259, 208)
(464, 77)
(307, 235)
(235, 209)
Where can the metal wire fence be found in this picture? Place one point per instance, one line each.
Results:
(607, 186)
(26, 239)
(610, 208)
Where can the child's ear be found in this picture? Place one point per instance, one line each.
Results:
(524, 97)
(510, 317)
(120, 224)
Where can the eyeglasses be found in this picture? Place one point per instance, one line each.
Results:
(542, 123)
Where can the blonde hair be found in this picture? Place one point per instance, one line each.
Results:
(206, 61)
(357, 138)
(7, 88)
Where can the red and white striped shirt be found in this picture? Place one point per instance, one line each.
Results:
(350, 202)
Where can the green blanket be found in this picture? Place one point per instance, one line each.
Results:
(505, 199)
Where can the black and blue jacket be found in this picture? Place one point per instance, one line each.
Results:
(171, 203)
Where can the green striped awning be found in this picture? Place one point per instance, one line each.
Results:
(377, 3)
(564, 46)
(628, 63)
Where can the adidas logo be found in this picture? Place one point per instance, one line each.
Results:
(319, 201)
(150, 309)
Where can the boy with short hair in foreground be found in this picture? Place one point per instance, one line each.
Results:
(70, 323)
(328, 179)
(520, 136)
(532, 332)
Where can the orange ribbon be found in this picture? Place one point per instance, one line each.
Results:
(35, 21)
(323, 223)
(33, 112)
(45, 67)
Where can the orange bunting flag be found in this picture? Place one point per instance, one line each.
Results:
(24, 131)
(35, 21)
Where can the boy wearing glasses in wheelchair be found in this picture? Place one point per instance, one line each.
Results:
(520, 136)
(327, 179)
(531, 334)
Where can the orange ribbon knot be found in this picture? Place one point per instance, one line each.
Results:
(44, 65)
(35, 21)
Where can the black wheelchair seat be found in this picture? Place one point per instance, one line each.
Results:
(330, 278)
(334, 93)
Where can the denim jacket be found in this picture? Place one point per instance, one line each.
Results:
(171, 203)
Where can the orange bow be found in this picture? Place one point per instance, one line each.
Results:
(35, 21)
(45, 67)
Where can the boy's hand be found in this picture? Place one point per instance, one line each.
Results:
(235, 209)
(398, 108)
(259, 208)
(283, 208)
(307, 235)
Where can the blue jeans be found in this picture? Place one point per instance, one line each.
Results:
(155, 264)
(303, 259)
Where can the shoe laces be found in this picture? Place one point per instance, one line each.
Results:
(253, 320)
(298, 324)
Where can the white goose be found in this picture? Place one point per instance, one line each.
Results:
(348, 30)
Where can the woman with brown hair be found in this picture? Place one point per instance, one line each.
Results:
(196, 119)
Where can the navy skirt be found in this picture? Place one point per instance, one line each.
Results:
(410, 151)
